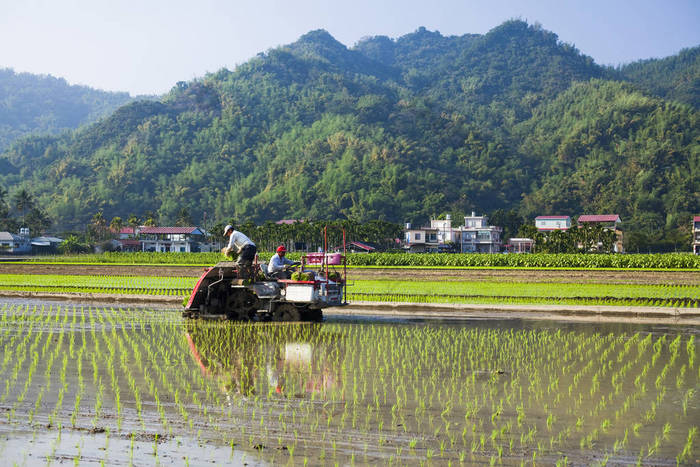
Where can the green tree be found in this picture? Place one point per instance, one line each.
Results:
(4, 211)
(37, 221)
(116, 225)
(72, 244)
(183, 218)
(23, 202)
(151, 220)
(98, 227)
(509, 220)
(134, 222)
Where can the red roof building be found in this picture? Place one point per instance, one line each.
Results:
(170, 230)
(289, 221)
(359, 247)
(608, 222)
(614, 218)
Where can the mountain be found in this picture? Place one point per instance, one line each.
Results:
(676, 77)
(636, 155)
(397, 130)
(31, 104)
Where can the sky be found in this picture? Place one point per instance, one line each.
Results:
(146, 46)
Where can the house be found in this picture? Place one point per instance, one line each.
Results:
(608, 222)
(519, 245)
(444, 232)
(420, 240)
(477, 236)
(16, 244)
(130, 245)
(696, 235)
(549, 223)
(128, 232)
(45, 245)
(361, 247)
(173, 239)
(289, 221)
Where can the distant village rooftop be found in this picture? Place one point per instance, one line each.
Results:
(599, 218)
(170, 230)
(289, 221)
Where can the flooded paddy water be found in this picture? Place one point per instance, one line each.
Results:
(99, 384)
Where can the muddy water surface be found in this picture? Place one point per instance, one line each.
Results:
(92, 384)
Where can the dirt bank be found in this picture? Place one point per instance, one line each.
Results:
(642, 314)
(670, 315)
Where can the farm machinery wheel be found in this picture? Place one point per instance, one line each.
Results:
(241, 305)
(286, 312)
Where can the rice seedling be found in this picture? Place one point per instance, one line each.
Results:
(381, 392)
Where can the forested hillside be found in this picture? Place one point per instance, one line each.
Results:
(397, 130)
(44, 104)
(675, 78)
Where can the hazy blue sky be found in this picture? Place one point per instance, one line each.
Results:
(145, 46)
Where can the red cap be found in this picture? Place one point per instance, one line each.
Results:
(281, 249)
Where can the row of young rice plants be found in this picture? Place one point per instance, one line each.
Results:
(523, 292)
(97, 280)
(558, 260)
(482, 260)
(118, 382)
(97, 284)
(390, 291)
(139, 382)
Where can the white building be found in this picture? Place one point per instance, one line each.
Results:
(170, 239)
(548, 223)
(15, 244)
(696, 235)
(475, 236)
(420, 240)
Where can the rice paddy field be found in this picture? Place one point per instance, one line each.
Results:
(93, 385)
(417, 290)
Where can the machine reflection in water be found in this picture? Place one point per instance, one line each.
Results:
(288, 360)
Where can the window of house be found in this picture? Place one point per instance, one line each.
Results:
(433, 237)
(417, 236)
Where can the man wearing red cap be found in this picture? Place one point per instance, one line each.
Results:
(278, 263)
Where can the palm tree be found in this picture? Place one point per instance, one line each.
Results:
(99, 225)
(4, 211)
(150, 219)
(183, 218)
(133, 222)
(23, 202)
(116, 225)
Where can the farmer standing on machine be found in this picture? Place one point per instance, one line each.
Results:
(240, 244)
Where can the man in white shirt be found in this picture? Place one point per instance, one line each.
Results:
(239, 243)
(276, 267)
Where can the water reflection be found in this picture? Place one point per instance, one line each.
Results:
(289, 360)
